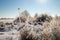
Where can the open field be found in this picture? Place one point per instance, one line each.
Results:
(39, 27)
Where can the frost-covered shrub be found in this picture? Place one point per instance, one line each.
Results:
(55, 25)
(38, 32)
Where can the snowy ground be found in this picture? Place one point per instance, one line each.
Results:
(9, 35)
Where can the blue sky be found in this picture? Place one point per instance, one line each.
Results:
(9, 8)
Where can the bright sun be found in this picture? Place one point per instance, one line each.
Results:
(42, 1)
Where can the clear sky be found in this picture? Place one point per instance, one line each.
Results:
(9, 8)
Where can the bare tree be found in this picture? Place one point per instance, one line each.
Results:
(25, 13)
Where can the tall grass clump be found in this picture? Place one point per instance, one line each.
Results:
(39, 27)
